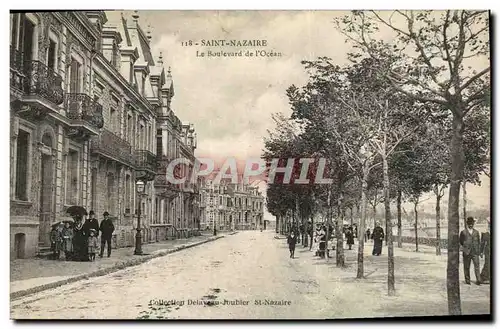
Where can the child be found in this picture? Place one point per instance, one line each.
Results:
(67, 236)
(55, 241)
(92, 245)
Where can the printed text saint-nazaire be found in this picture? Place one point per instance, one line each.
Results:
(234, 43)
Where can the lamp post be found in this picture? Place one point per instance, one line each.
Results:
(138, 237)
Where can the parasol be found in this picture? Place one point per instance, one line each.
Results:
(76, 211)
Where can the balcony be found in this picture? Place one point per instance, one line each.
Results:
(85, 115)
(164, 188)
(145, 163)
(39, 89)
(113, 147)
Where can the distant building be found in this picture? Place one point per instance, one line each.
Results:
(231, 206)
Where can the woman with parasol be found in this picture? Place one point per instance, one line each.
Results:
(80, 252)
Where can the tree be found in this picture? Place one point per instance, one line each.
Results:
(434, 53)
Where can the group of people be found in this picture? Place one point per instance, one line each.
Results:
(475, 246)
(78, 242)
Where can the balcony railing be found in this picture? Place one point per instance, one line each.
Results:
(145, 160)
(42, 81)
(112, 145)
(82, 107)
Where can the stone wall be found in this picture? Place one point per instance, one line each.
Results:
(423, 241)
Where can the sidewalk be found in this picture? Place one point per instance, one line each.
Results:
(28, 276)
(420, 280)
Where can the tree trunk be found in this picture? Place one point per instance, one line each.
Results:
(438, 220)
(352, 219)
(328, 220)
(415, 204)
(277, 224)
(312, 232)
(457, 167)
(391, 290)
(464, 188)
(374, 209)
(339, 230)
(400, 231)
(361, 229)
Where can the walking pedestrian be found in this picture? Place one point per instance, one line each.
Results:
(92, 244)
(485, 251)
(378, 238)
(292, 241)
(471, 247)
(349, 235)
(107, 228)
(367, 235)
(67, 235)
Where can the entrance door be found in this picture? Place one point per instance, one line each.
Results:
(45, 200)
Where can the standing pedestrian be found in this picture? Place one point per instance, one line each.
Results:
(485, 251)
(367, 235)
(378, 238)
(92, 244)
(56, 241)
(471, 247)
(292, 241)
(91, 224)
(79, 240)
(107, 228)
(349, 235)
(67, 235)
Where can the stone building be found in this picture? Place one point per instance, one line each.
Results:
(86, 99)
(231, 206)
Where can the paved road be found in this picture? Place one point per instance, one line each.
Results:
(228, 278)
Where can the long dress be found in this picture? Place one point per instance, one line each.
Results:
(378, 238)
(485, 249)
(79, 243)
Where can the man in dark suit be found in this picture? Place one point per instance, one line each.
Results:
(471, 244)
(485, 251)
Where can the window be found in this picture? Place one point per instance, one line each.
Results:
(14, 30)
(75, 76)
(27, 40)
(127, 193)
(111, 194)
(72, 186)
(51, 56)
(113, 120)
(130, 127)
(159, 146)
(23, 140)
(143, 86)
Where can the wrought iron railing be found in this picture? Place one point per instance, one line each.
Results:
(145, 160)
(42, 81)
(108, 143)
(82, 107)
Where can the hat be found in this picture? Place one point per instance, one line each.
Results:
(92, 230)
(470, 220)
(105, 213)
(91, 213)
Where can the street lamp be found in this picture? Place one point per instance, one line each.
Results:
(138, 237)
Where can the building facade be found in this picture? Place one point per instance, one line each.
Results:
(229, 206)
(87, 100)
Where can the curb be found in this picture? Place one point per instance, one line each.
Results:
(105, 271)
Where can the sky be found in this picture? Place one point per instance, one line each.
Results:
(230, 100)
